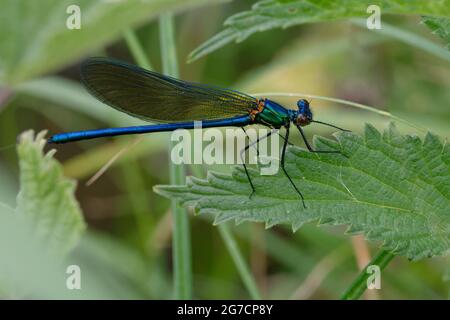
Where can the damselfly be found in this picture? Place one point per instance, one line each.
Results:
(176, 104)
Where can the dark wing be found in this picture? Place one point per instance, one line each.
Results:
(152, 96)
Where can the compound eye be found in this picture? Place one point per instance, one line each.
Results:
(303, 105)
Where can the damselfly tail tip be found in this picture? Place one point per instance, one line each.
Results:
(57, 139)
(51, 140)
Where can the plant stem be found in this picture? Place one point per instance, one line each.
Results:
(233, 250)
(132, 178)
(359, 285)
(239, 262)
(409, 38)
(136, 49)
(181, 247)
(227, 237)
(168, 50)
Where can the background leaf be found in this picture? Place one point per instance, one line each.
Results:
(439, 26)
(46, 198)
(391, 187)
(270, 14)
(27, 267)
(44, 226)
(35, 40)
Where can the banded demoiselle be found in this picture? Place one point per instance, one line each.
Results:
(176, 104)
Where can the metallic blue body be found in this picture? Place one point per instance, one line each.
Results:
(173, 103)
(109, 132)
(273, 115)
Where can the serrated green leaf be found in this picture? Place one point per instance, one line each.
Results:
(44, 226)
(35, 40)
(439, 26)
(271, 14)
(46, 199)
(393, 188)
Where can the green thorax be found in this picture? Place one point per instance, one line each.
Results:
(273, 114)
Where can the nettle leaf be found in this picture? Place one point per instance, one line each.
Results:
(439, 26)
(393, 188)
(46, 199)
(35, 38)
(271, 14)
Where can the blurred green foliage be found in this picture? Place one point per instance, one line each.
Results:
(35, 39)
(126, 250)
(270, 14)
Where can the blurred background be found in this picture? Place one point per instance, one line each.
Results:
(126, 250)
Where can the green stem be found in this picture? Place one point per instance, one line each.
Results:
(138, 200)
(239, 261)
(180, 238)
(133, 180)
(409, 38)
(136, 49)
(359, 285)
(233, 250)
(168, 50)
